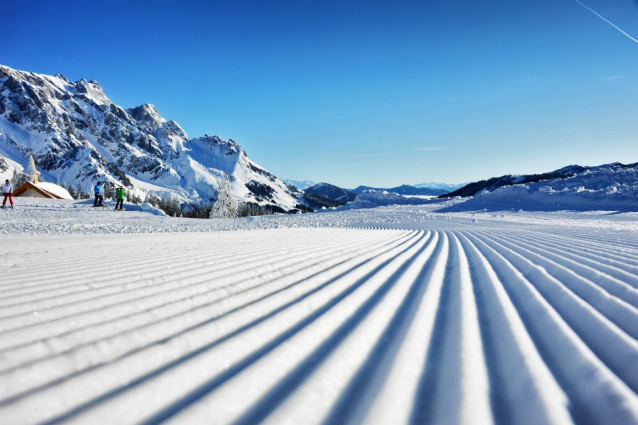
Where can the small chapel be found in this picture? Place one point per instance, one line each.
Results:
(35, 188)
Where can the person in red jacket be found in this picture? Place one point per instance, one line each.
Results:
(7, 190)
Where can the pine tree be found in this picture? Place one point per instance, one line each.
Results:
(107, 189)
(225, 206)
(18, 179)
(79, 193)
(248, 209)
(71, 191)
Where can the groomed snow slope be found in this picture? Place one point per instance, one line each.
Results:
(386, 316)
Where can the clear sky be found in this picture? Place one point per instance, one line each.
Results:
(360, 92)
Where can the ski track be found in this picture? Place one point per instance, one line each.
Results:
(424, 321)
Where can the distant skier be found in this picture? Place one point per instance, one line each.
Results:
(7, 190)
(119, 194)
(99, 195)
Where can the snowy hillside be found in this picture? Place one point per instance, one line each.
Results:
(393, 315)
(78, 135)
(610, 187)
(509, 179)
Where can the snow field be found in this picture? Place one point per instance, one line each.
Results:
(440, 321)
(34, 216)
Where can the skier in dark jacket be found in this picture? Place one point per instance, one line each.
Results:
(99, 195)
(119, 194)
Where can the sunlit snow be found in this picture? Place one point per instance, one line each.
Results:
(388, 315)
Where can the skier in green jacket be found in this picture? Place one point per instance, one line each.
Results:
(119, 194)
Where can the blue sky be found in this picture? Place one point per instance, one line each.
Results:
(368, 92)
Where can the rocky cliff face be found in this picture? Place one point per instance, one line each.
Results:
(78, 135)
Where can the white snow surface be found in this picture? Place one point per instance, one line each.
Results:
(389, 315)
(55, 190)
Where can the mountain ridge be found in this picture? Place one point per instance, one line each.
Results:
(78, 136)
(494, 183)
(607, 187)
(404, 189)
(331, 192)
(437, 185)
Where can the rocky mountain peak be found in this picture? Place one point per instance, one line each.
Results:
(217, 144)
(148, 115)
(4, 71)
(93, 91)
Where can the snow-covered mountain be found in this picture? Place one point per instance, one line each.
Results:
(609, 187)
(332, 192)
(442, 186)
(300, 184)
(494, 183)
(403, 190)
(77, 135)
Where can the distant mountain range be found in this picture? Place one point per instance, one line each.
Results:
(443, 186)
(494, 183)
(404, 190)
(300, 184)
(328, 195)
